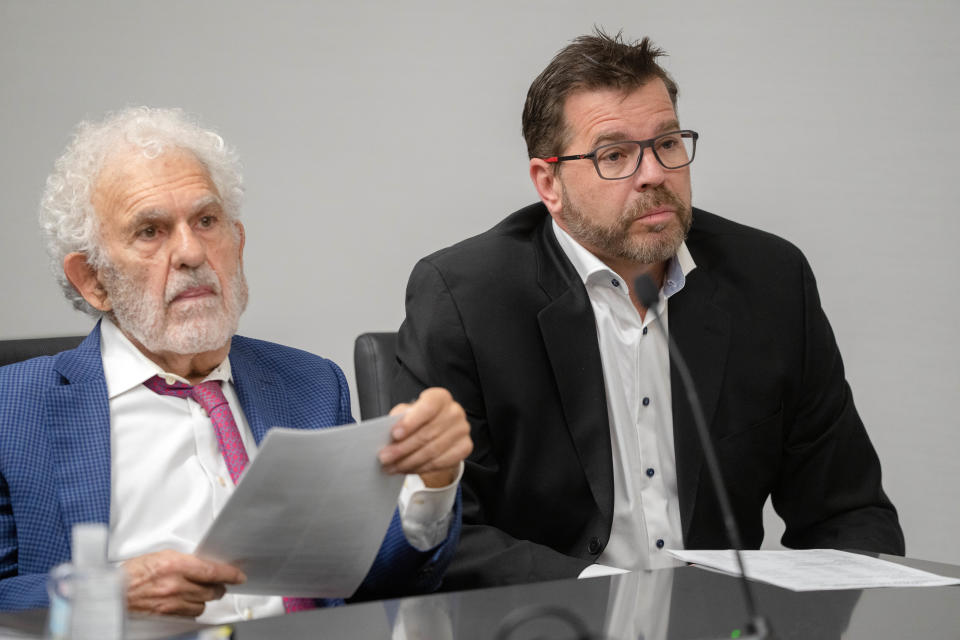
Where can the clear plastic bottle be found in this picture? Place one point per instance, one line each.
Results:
(87, 597)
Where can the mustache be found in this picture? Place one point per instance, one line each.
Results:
(180, 281)
(651, 200)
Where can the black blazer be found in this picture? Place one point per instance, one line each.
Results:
(504, 322)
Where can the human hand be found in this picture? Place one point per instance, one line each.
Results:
(173, 583)
(431, 439)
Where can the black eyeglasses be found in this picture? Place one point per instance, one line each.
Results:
(620, 160)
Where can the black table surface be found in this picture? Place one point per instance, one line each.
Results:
(687, 603)
(682, 603)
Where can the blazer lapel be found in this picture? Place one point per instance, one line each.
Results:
(78, 415)
(701, 330)
(570, 334)
(260, 393)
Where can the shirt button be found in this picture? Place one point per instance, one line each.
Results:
(644, 331)
(615, 282)
(594, 546)
(646, 401)
(222, 482)
(248, 613)
(660, 544)
(650, 473)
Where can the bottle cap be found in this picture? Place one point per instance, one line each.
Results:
(89, 544)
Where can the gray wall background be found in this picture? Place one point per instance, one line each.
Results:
(373, 133)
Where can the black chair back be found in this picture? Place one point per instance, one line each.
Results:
(375, 362)
(25, 348)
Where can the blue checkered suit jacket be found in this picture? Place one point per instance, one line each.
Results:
(55, 458)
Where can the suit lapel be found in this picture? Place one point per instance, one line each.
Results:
(78, 415)
(570, 335)
(260, 392)
(701, 330)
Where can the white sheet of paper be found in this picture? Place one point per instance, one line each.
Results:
(309, 513)
(816, 569)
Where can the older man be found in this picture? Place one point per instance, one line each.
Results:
(585, 446)
(128, 429)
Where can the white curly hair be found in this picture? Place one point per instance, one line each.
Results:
(67, 218)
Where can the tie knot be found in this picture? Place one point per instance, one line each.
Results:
(208, 394)
(164, 388)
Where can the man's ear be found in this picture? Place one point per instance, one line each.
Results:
(241, 237)
(85, 280)
(548, 185)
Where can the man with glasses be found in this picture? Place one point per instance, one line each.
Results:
(585, 447)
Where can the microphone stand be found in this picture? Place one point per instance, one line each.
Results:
(758, 627)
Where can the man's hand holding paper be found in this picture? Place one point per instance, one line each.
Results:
(431, 439)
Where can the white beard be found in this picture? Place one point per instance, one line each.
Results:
(190, 326)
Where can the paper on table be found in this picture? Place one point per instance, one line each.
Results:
(309, 513)
(816, 569)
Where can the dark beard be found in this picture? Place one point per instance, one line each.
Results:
(658, 244)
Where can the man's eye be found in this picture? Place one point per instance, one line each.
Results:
(668, 144)
(612, 156)
(148, 232)
(207, 221)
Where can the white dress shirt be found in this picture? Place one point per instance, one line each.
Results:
(636, 375)
(169, 481)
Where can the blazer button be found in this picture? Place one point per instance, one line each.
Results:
(594, 546)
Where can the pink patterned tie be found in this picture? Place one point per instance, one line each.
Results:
(210, 396)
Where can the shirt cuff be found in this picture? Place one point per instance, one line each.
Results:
(598, 570)
(425, 512)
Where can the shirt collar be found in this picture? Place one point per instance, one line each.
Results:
(125, 367)
(589, 265)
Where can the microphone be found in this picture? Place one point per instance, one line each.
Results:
(648, 294)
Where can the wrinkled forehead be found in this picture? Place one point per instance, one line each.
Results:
(130, 174)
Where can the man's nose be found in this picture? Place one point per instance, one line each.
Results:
(188, 249)
(650, 173)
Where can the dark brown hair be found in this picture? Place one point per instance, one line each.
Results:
(595, 61)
